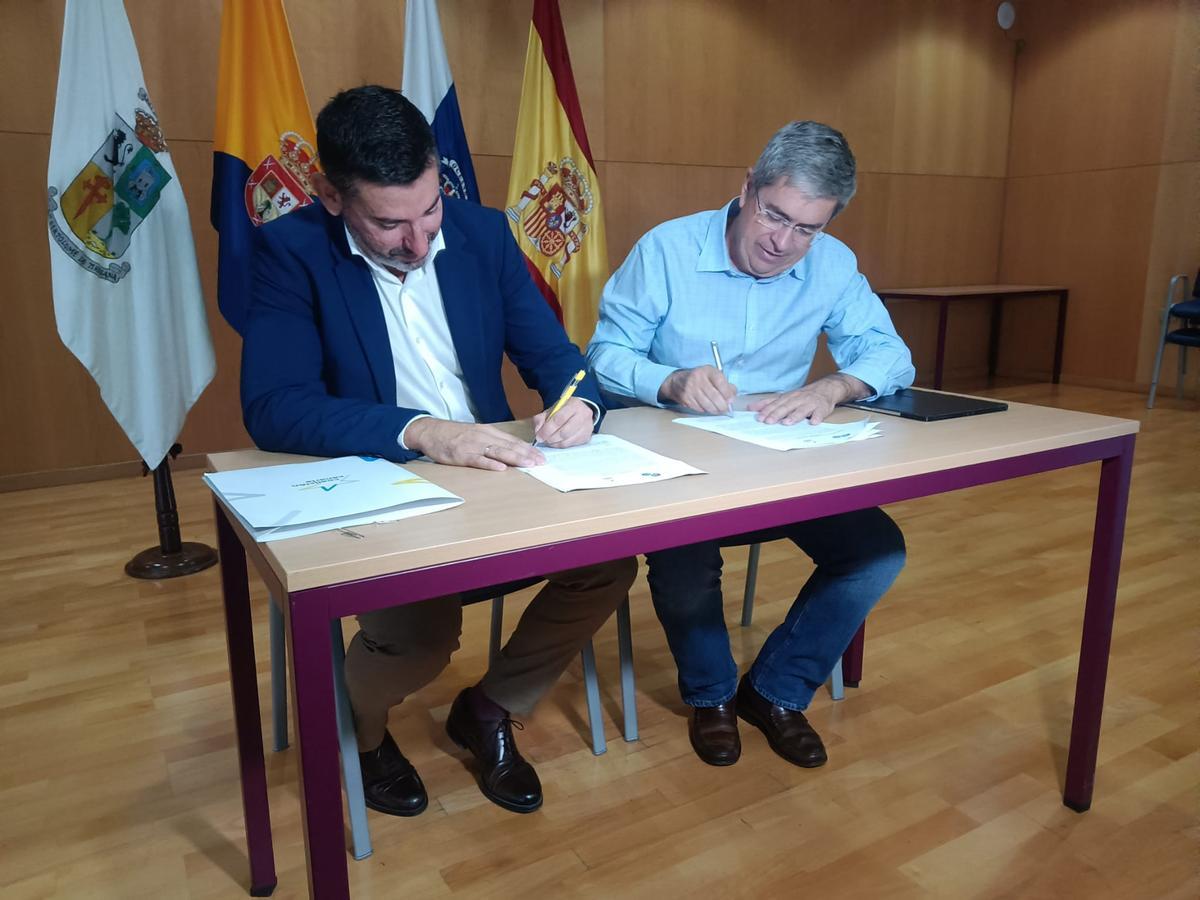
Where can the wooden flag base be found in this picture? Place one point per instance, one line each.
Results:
(172, 557)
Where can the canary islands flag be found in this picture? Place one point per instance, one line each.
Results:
(427, 83)
(553, 194)
(264, 148)
(127, 295)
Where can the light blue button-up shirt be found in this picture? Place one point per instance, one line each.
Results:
(678, 291)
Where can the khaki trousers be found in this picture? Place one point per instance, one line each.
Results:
(401, 649)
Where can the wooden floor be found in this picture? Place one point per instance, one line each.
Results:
(118, 773)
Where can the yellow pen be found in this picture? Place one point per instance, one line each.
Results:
(566, 395)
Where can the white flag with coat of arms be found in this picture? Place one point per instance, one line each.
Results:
(127, 292)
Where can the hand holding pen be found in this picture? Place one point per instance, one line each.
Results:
(568, 422)
(716, 352)
(703, 389)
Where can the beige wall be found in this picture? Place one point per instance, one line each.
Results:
(679, 96)
(1103, 193)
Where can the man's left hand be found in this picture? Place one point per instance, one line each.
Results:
(569, 427)
(813, 401)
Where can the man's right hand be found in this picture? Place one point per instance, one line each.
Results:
(467, 444)
(703, 389)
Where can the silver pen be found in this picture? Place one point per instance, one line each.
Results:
(716, 352)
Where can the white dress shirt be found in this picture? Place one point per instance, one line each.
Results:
(428, 373)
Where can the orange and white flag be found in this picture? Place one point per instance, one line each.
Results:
(554, 206)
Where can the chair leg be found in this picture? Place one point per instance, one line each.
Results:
(360, 831)
(852, 659)
(497, 629)
(628, 689)
(279, 690)
(1162, 340)
(1182, 377)
(837, 688)
(751, 580)
(592, 688)
(1157, 366)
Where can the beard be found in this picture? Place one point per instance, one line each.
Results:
(389, 259)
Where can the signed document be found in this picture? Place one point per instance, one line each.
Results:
(743, 426)
(605, 461)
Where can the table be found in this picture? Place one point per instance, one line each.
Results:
(512, 526)
(997, 293)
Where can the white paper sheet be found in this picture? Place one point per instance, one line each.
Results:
(275, 502)
(605, 461)
(743, 426)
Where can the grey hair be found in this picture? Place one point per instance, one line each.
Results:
(812, 157)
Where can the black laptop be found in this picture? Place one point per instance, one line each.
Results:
(928, 406)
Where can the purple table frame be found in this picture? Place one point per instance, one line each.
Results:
(310, 612)
(997, 298)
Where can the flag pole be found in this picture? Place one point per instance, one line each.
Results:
(172, 557)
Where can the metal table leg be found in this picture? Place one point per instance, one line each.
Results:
(317, 743)
(1097, 627)
(243, 680)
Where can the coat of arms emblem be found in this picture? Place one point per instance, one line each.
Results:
(112, 194)
(552, 212)
(279, 185)
(454, 184)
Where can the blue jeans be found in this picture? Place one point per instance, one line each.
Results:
(857, 555)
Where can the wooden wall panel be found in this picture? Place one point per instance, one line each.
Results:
(1175, 241)
(29, 65)
(337, 50)
(1089, 231)
(952, 89)
(911, 230)
(916, 87)
(638, 196)
(179, 60)
(492, 174)
(1174, 250)
(1105, 100)
(1090, 88)
(486, 42)
(1181, 136)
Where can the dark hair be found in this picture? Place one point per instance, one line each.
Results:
(811, 156)
(374, 134)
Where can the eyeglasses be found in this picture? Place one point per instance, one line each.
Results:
(772, 221)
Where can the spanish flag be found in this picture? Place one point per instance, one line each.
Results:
(554, 196)
(264, 148)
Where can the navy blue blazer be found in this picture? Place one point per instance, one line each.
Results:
(317, 370)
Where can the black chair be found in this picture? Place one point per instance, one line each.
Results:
(1187, 336)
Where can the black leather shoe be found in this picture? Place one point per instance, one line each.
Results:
(787, 731)
(714, 734)
(390, 783)
(477, 724)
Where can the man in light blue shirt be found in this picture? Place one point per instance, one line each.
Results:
(760, 281)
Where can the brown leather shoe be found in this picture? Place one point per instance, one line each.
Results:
(390, 783)
(477, 724)
(787, 731)
(714, 734)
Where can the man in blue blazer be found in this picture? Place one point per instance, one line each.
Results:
(378, 322)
